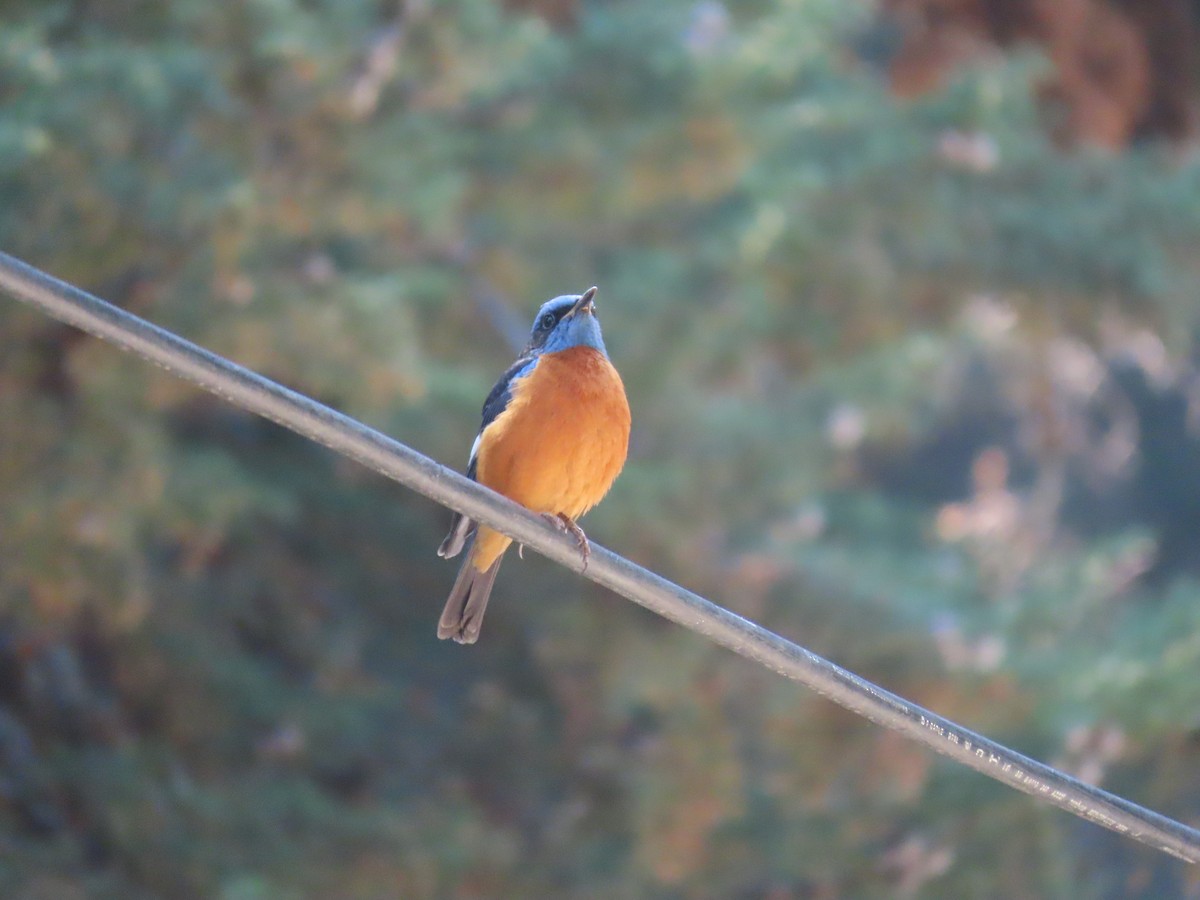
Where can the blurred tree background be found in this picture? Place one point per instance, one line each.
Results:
(904, 295)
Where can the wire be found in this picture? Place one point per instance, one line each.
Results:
(339, 432)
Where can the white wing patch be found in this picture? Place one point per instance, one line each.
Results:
(474, 449)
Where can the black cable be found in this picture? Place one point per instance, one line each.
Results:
(257, 394)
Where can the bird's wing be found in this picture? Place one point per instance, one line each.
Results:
(497, 401)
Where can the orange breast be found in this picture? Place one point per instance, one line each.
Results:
(561, 442)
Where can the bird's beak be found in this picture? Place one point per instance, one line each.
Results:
(586, 302)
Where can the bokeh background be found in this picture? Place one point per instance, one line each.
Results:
(905, 297)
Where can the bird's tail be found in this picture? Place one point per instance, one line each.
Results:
(463, 615)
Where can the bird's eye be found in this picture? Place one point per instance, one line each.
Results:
(547, 321)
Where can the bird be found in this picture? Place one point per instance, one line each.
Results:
(554, 437)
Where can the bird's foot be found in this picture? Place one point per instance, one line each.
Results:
(565, 523)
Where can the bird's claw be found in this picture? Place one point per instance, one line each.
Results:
(566, 524)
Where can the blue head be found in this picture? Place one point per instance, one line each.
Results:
(565, 322)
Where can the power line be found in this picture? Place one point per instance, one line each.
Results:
(339, 432)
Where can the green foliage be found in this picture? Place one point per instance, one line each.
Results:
(218, 672)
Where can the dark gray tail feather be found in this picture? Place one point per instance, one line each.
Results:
(460, 529)
(463, 615)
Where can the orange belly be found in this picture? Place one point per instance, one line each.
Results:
(560, 443)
